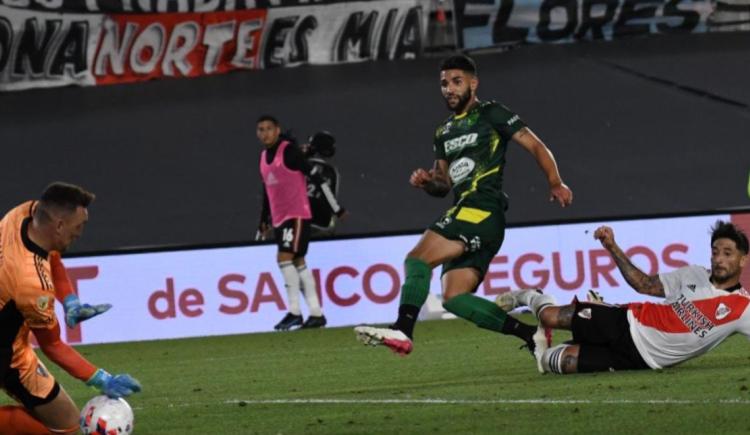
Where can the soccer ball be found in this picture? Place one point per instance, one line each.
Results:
(106, 416)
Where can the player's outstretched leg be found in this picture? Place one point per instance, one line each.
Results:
(532, 298)
(413, 295)
(487, 315)
(536, 301)
(76, 312)
(394, 339)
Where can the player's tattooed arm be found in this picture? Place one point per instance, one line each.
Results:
(439, 184)
(642, 283)
(564, 318)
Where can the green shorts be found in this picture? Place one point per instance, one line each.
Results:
(482, 232)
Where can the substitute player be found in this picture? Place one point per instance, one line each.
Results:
(701, 308)
(285, 204)
(31, 274)
(323, 184)
(470, 151)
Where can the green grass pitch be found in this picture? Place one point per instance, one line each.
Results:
(458, 380)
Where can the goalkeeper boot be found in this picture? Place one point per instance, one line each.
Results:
(315, 322)
(394, 339)
(288, 322)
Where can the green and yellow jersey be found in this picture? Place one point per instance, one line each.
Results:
(474, 145)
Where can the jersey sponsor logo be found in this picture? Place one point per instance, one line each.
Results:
(461, 142)
(722, 311)
(692, 317)
(514, 119)
(460, 169)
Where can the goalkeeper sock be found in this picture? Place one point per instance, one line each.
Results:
(413, 294)
(487, 315)
(291, 282)
(311, 292)
(17, 420)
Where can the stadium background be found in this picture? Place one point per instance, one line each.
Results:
(639, 126)
(647, 126)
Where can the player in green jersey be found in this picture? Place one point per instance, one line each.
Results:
(470, 151)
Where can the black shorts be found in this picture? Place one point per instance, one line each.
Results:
(603, 334)
(293, 235)
(13, 386)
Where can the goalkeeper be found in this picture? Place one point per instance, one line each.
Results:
(31, 276)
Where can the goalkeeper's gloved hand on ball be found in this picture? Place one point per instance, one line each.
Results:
(114, 386)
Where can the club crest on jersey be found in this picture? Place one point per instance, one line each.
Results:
(445, 128)
(42, 303)
(585, 313)
(460, 169)
(722, 311)
(691, 287)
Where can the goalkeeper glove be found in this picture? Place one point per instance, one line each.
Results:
(114, 386)
(76, 312)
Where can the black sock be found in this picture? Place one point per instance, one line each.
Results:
(407, 317)
(520, 330)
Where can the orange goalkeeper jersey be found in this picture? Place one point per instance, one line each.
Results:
(27, 295)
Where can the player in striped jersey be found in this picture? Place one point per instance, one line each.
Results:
(701, 308)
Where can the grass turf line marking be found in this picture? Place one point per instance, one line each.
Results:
(461, 402)
(438, 401)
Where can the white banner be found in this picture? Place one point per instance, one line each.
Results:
(344, 32)
(46, 49)
(486, 23)
(240, 290)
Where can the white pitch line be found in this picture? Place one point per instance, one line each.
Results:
(481, 401)
(461, 402)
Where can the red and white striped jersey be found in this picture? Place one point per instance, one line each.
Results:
(693, 319)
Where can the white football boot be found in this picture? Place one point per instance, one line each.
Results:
(394, 339)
